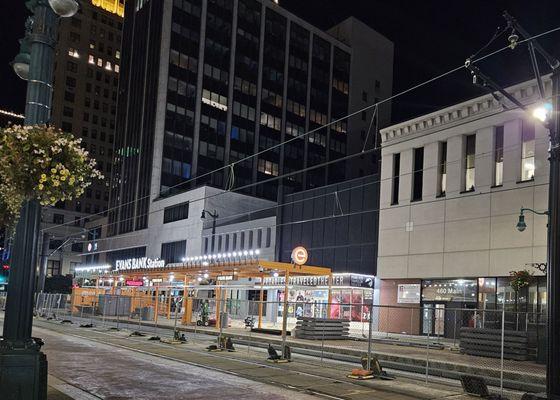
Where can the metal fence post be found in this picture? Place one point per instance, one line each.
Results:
(502, 353)
(370, 329)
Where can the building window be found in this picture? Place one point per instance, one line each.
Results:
(242, 241)
(176, 213)
(442, 169)
(58, 218)
(364, 96)
(268, 237)
(499, 156)
(470, 149)
(396, 173)
(53, 267)
(527, 151)
(259, 238)
(173, 252)
(418, 174)
(234, 242)
(250, 239)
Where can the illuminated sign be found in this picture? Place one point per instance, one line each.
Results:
(134, 283)
(409, 293)
(353, 280)
(139, 263)
(299, 255)
(214, 104)
(113, 6)
(157, 280)
(224, 278)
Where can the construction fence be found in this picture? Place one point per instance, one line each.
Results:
(506, 349)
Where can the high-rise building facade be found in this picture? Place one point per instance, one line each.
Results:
(205, 83)
(86, 77)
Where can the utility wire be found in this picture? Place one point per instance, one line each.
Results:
(440, 76)
(508, 149)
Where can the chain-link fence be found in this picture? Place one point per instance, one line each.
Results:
(431, 342)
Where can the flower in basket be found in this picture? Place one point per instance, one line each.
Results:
(41, 162)
(520, 279)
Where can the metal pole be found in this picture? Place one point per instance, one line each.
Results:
(43, 265)
(553, 274)
(285, 313)
(370, 330)
(214, 216)
(502, 353)
(32, 382)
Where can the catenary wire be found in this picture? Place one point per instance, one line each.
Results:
(507, 149)
(308, 133)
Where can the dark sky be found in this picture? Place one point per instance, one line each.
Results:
(430, 37)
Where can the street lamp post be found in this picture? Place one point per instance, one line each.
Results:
(553, 265)
(552, 122)
(23, 367)
(214, 216)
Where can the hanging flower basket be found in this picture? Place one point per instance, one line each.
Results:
(520, 279)
(43, 163)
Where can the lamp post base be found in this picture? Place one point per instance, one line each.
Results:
(23, 371)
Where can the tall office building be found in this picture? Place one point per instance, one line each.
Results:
(86, 77)
(205, 83)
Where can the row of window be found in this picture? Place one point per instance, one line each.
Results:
(271, 121)
(244, 86)
(181, 87)
(238, 241)
(527, 163)
(243, 111)
(99, 62)
(183, 61)
(267, 167)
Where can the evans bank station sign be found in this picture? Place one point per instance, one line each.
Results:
(139, 263)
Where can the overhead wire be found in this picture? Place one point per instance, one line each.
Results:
(507, 149)
(376, 104)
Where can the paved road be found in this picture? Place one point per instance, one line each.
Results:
(112, 373)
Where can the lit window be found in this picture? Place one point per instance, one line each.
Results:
(99, 62)
(108, 66)
(528, 151)
(91, 59)
(117, 54)
(499, 156)
(442, 168)
(73, 53)
(92, 45)
(117, 68)
(470, 148)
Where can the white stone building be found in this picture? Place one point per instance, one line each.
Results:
(452, 185)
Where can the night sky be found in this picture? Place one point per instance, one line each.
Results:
(430, 37)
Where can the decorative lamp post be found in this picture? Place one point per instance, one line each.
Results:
(23, 367)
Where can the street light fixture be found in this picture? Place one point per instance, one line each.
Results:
(521, 225)
(543, 112)
(64, 8)
(22, 59)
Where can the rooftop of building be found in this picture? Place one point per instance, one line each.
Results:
(476, 108)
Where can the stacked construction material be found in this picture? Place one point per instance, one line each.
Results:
(321, 328)
(488, 343)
